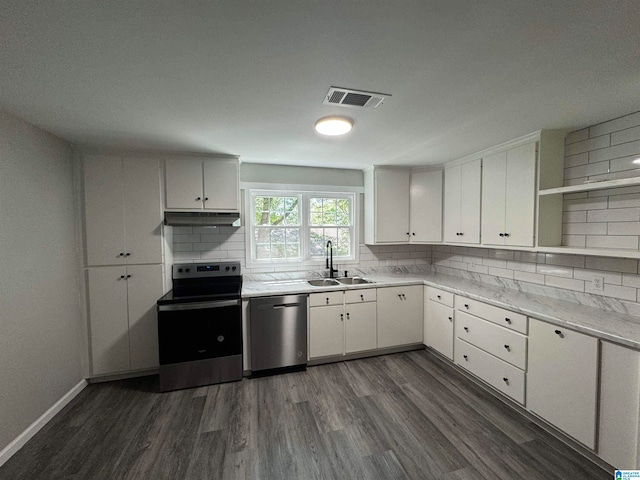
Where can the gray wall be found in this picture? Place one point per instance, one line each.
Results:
(41, 326)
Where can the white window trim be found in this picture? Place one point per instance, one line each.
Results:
(304, 191)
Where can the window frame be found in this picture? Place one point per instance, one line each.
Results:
(304, 197)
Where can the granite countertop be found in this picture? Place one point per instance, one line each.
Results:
(620, 328)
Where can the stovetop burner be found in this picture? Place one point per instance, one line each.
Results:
(194, 282)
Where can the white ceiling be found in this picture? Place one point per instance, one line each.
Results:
(248, 77)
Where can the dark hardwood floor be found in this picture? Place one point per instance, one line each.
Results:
(402, 416)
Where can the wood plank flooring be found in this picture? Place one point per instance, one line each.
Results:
(402, 416)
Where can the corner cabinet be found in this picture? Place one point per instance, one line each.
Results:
(509, 197)
(562, 379)
(123, 210)
(462, 202)
(400, 315)
(439, 320)
(197, 183)
(402, 206)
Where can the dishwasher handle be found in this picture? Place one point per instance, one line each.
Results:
(286, 305)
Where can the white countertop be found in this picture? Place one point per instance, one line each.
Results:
(617, 327)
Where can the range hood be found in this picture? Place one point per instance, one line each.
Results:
(201, 219)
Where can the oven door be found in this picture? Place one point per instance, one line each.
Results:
(196, 331)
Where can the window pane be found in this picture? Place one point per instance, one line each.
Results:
(329, 212)
(344, 243)
(276, 210)
(316, 243)
(342, 212)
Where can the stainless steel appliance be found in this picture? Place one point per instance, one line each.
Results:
(200, 326)
(278, 329)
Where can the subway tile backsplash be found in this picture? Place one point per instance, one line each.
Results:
(603, 218)
(195, 244)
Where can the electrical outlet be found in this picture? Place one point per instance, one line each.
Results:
(597, 283)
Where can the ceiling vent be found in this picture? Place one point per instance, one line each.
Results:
(354, 98)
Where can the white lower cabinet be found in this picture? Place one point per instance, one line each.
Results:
(341, 323)
(562, 379)
(619, 406)
(490, 347)
(500, 375)
(439, 321)
(400, 315)
(123, 318)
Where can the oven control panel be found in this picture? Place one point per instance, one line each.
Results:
(199, 270)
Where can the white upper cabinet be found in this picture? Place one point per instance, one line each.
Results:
(387, 205)
(425, 208)
(462, 202)
(402, 206)
(123, 210)
(509, 196)
(196, 183)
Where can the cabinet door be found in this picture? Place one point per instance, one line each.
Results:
(562, 379)
(494, 178)
(103, 204)
(144, 289)
(470, 180)
(326, 331)
(392, 205)
(438, 328)
(109, 328)
(619, 406)
(452, 194)
(400, 315)
(426, 207)
(221, 185)
(520, 191)
(360, 327)
(142, 210)
(183, 178)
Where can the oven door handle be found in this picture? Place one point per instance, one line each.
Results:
(198, 305)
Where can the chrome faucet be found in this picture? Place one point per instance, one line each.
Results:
(330, 259)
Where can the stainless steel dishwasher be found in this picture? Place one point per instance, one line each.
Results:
(278, 330)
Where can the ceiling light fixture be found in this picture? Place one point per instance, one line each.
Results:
(334, 126)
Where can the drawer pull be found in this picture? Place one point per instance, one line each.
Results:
(465, 357)
(508, 348)
(466, 305)
(362, 297)
(327, 300)
(439, 296)
(342, 317)
(347, 315)
(559, 333)
(466, 329)
(505, 380)
(508, 320)
(450, 319)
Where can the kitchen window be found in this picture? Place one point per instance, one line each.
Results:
(294, 226)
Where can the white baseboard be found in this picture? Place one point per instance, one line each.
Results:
(19, 442)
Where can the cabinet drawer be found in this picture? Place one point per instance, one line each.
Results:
(359, 296)
(325, 298)
(506, 344)
(440, 296)
(500, 316)
(500, 375)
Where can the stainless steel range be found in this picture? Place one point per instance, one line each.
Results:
(200, 326)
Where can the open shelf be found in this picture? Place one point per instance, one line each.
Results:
(599, 252)
(587, 187)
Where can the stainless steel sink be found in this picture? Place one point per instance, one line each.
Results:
(324, 282)
(354, 280)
